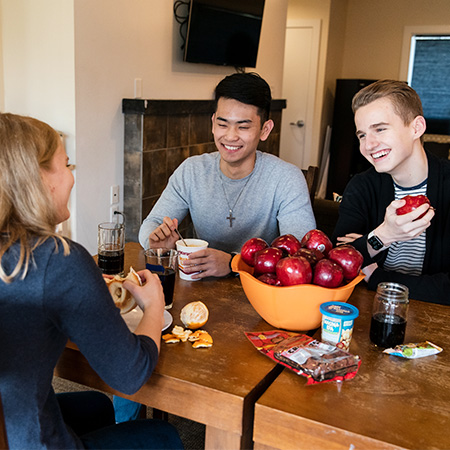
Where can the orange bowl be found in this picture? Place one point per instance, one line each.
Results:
(295, 308)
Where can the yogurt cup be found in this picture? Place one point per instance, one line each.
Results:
(337, 323)
(193, 245)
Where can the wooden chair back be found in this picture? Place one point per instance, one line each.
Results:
(312, 178)
(3, 437)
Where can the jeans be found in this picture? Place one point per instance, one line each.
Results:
(126, 410)
(91, 416)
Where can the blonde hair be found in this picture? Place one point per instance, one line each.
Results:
(27, 214)
(405, 100)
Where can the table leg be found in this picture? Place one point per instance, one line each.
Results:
(217, 439)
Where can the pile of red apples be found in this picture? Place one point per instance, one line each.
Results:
(288, 261)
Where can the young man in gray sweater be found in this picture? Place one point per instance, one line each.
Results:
(236, 193)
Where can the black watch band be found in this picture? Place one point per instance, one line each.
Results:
(233, 274)
(375, 242)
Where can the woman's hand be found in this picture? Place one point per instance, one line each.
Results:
(150, 298)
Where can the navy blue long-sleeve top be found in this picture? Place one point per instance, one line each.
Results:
(61, 298)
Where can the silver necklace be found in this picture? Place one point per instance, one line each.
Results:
(230, 215)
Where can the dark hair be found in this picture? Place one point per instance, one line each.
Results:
(405, 100)
(248, 88)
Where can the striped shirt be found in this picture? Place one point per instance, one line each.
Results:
(407, 256)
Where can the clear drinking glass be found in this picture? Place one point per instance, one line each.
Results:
(111, 245)
(163, 262)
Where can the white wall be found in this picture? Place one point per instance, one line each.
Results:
(109, 43)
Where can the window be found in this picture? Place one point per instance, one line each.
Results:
(429, 75)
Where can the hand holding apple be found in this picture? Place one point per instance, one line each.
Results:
(412, 203)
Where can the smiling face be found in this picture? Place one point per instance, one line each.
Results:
(237, 131)
(59, 180)
(388, 144)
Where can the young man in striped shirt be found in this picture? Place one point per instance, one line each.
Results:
(406, 249)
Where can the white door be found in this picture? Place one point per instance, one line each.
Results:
(299, 88)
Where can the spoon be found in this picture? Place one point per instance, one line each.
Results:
(181, 237)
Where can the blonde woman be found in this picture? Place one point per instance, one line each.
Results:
(51, 291)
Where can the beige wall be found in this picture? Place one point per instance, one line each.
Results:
(374, 33)
(71, 63)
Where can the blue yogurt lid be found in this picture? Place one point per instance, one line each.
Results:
(339, 310)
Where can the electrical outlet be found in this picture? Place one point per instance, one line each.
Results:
(114, 194)
(112, 216)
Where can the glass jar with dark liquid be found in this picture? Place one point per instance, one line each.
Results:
(389, 315)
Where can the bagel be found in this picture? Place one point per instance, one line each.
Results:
(123, 298)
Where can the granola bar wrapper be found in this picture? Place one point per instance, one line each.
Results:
(317, 361)
(413, 351)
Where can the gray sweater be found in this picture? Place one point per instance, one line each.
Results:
(271, 201)
(61, 297)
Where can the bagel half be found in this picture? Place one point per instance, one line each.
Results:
(122, 298)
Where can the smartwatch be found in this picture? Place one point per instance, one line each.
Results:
(375, 242)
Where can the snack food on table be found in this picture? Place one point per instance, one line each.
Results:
(413, 351)
(315, 360)
(194, 315)
(318, 359)
(200, 338)
(123, 298)
(337, 323)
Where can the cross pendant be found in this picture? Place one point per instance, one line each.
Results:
(231, 218)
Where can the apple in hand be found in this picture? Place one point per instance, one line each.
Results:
(287, 242)
(249, 249)
(311, 254)
(294, 270)
(412, 203)
(317, 239)
(328, 274)
(267, 259)
(348, 258)
(270, 278)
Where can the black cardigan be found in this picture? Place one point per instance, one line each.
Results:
(363, 208)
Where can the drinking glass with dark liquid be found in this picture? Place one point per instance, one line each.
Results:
(163, 262)
(389, 315)
(111, 244)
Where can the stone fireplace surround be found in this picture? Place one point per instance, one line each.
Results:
(159, 136)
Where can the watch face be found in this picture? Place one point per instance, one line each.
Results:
(375, 243)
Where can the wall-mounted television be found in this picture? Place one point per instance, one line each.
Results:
(224, 32)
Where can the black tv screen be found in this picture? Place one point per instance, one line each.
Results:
(224, 32)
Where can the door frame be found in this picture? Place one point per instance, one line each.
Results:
(315, 25)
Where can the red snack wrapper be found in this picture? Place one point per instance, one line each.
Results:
(315, 360)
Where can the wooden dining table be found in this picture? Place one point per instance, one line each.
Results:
(392, 402)
(215, 386)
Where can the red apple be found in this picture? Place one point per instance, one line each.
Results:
(412, 202)
(269, 278)
(317, 239)
(311, 254)
(348, 258)
(328, 274)
(249, 249)
(287, 242)
(294, 270)
(267, 259)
